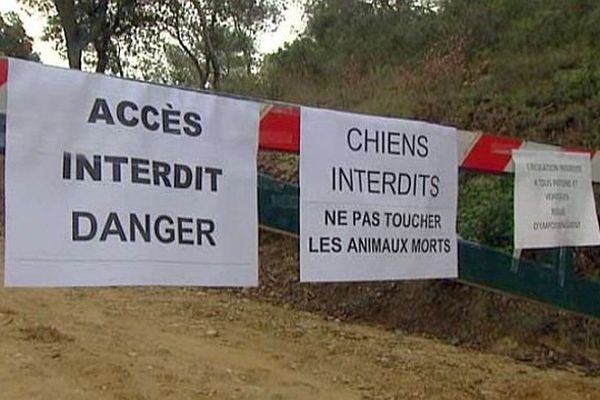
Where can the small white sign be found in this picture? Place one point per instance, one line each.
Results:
(554, 203)
(378, 198)
(114, 182)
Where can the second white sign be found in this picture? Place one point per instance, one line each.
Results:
(378, 198)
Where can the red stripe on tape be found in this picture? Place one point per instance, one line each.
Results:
(3, 71)
(491, 153)
(280, 129)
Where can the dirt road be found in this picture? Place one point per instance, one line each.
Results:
(189, 344)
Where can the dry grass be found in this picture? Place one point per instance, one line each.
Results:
(45, 334)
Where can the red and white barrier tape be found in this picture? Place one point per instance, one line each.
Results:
(280, 131)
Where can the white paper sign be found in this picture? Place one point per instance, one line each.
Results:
(554, 202)
(378, 198)
(114, 182)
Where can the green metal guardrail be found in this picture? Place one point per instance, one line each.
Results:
(555, 284)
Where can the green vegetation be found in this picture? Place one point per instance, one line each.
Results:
(513, 67)
(510, 67)
(14, 41)
(198, 42)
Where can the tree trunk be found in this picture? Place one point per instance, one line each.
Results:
(207, 36)
(74, 54)
(102, 48)
(100, 33)
(216, 67)
(102, 61)
(66, 13)
(202, 75)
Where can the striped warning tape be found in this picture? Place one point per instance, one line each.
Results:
(3, 79)
(280, 131)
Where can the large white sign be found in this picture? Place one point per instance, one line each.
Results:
(378, 198)
(113, 182)
(554, 202)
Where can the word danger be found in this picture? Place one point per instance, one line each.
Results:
(129, 114)
(379, 245)
(86, 227)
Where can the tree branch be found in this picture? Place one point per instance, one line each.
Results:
(202, 75)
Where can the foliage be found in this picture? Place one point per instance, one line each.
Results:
(14, 41)
(506, 66)
(365, 34)
(104, 33)
(209, 40)
(203, 41)
(485, 211)
(510, 67)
